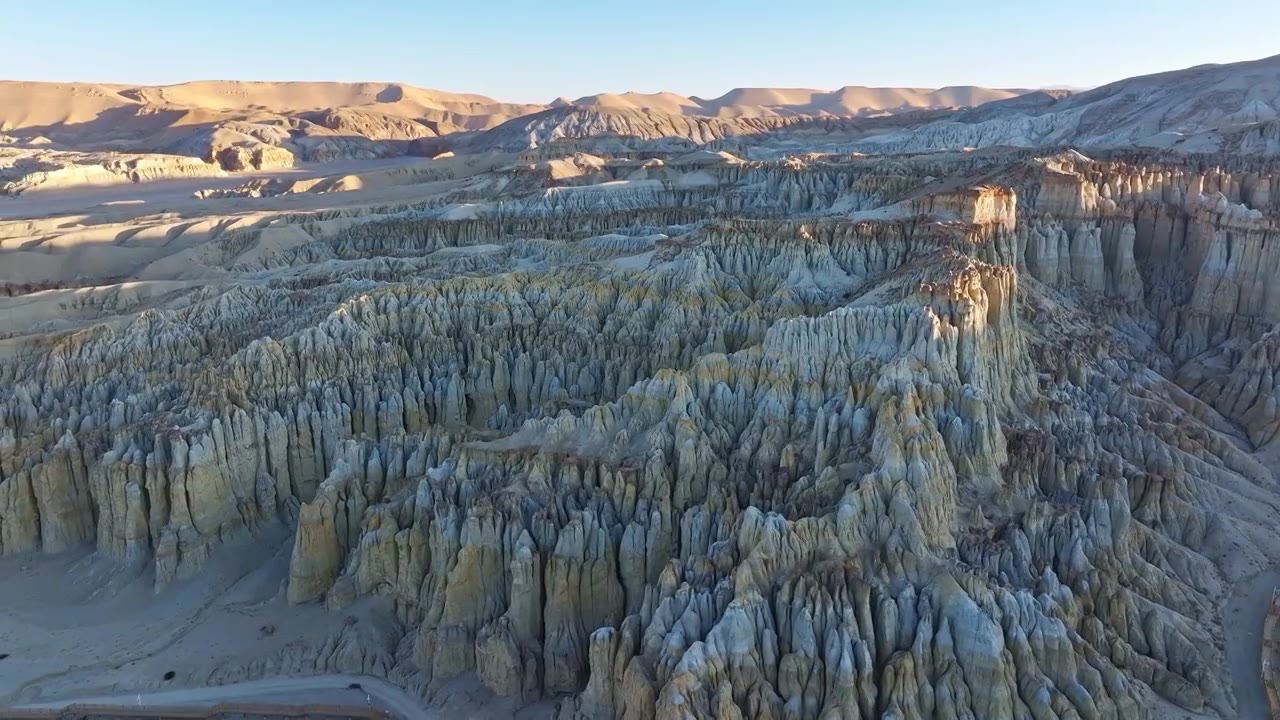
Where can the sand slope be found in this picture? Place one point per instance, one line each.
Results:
(849, 101)
(263, 126)
(26, 106)
(1231, 107)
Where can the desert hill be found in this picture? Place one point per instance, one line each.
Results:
(28, 105)
(67, 107)
(275, 125)
(1206, 108)
(849, 101)
(269, 126)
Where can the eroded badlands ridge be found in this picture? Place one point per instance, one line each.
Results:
(977, 435)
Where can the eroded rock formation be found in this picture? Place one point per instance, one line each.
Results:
(944, 436)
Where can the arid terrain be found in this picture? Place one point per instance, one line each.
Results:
(865, 403)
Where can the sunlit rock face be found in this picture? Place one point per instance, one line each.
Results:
(962, 436)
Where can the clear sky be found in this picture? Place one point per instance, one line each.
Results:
(535, 51)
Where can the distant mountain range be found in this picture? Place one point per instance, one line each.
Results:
(89, 110)
(274, 124)
(271, 124)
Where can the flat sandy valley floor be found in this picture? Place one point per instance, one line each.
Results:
(78, 626)
(75, 627)
(159, 196)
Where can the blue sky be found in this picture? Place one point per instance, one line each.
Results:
(535, 51)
